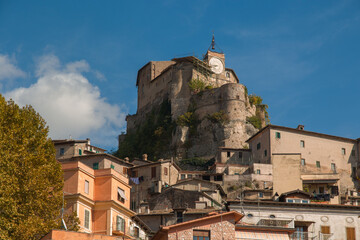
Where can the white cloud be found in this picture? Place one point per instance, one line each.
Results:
(69, 103)
(8, 70)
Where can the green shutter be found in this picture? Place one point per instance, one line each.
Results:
(80, 152)
(87, 219)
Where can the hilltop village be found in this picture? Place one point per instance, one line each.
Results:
(200, 160)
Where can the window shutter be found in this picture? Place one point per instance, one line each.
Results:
(87, 219)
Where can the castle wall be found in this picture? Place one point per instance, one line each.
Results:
(152, 86)
(180, 93)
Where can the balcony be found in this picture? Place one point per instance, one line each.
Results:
(303, 236)
(267, 221)
(126, 232)
(325, 236)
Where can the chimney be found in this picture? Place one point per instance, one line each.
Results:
(144, 157)
(300, 127)
(88, 141)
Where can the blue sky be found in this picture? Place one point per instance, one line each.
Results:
(76, 61)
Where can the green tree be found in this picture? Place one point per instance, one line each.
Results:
(31, 180)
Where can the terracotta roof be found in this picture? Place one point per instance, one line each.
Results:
(236, 149)
(76, 158)
(190, 224)
(304, 132)
(295, 191)
(200, 180)
(156, 163)
(62, 141)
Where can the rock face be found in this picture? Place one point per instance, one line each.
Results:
(222, 114)
(213, 116)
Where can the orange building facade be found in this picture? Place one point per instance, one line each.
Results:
(96, 186)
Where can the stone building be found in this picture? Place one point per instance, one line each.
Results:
(221, 226)
(147, 179)
(311, 161)
(221, 109)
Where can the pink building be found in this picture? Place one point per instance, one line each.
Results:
(96, 186)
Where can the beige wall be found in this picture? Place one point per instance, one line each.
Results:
(286, 173)
(326, 150)
(258, 155)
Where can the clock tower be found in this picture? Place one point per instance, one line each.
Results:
(215, 58)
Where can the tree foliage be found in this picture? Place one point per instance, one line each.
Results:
(31, 180)
(152, 137)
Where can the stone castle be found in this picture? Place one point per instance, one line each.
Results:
(219, 108)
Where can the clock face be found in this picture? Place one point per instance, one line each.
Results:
(216, 65)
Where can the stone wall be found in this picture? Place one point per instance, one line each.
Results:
(224, 230)
(170, 80)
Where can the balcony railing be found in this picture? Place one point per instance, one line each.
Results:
(268, 221)
(303, 236)
(117, 229)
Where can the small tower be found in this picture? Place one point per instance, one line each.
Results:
(215, 58)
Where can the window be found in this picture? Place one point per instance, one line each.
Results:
(189, 175)
(134, 173)
(240, 155)
(303, 162)
(96, 166)
(201, 235)
(153, 172)
(120, 224)
(353, 153)
(325, 229)
(305, 201)
(62, 151)
(261, 195)
(250, 215)
(182, 176)
(257, 171)
(179, 217)
(165, 171)
(265, 153)
(317, 164)
(272, 216)
(86, 186)
(333, 167)
(125, 170)
(258, 146)
(343, 151)
(218, 178)
(136, 232)
(80, 152)
(87, 219)
(121, 195)
(227, 74)
(302, 143)
(277, 135)
(228, 154)
(350, 233)
(289, 200)
(112, 166)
